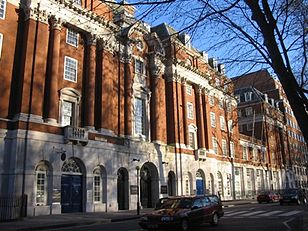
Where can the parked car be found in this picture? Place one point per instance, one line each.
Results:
(297, 196)
(183, 212)
(268, 196)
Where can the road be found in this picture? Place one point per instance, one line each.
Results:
(253, 217)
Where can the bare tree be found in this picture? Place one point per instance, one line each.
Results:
(250, 34)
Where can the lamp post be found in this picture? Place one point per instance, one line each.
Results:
(138, 198)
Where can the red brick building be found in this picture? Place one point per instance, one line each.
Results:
(100, 111)
(265, 114)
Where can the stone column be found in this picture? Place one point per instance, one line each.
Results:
(90, 83)
(126, 58)
(53, 98)
(158, 102)
(200, 120)
(184, 107)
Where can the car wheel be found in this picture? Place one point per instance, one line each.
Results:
(184, 225)
(215, 219)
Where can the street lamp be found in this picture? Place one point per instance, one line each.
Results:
(138, 198)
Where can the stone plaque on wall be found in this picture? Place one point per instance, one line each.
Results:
(56, 195)
(133, 189)
(163, 189)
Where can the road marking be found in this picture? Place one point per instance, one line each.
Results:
(253, 213)
(270, 213)
(290, 213)
(286, 224)
(236, 213)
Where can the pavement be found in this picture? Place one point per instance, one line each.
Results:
(78, 219)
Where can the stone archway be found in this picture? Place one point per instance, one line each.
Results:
(72, 186)
(149, 185)
(171, 184)
(122, 189)
(200, 182)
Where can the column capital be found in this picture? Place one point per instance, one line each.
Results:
(91, 39)
(55, 23)
(199, 89)
(157, 66)
(36, 14)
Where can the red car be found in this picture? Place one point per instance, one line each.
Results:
(268, 197)
(184, 213)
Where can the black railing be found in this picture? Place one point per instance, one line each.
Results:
(11, 207)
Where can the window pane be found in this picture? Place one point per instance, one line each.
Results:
(2, 8)
(67, 110)
(139, 116)
(139, 67)
(72, 37)
(70, 69)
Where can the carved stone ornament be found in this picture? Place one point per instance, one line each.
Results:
(125, 53)
(36, 14)
(157, 66)
(55, 23)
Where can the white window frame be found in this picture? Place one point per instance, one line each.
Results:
(224, 147)
(232, 149)
(189, 89)
(143, 118)
(248, 96)
(41, 170)
(222, 123)
(74, 97)
(141, 70)
(190, 110)
(65, 74)
(245, 152)
(248, 111)
(230, 126)
(1, 42)
(221, 103)
(4, 8)
(192, 130)
(97, 189)
(215, 144)
(72, 37)
(213, 119)
(211, 100)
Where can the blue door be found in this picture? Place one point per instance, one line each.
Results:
(200, 186)
(71, 193)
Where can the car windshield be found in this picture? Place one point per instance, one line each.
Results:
(179, 203)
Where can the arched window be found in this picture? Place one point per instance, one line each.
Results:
(41, 185)
(220, 184)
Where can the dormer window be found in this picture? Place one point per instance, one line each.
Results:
(248, 96)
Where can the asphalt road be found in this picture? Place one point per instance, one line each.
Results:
(254, 217)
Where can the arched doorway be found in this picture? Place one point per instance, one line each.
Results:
(210, 185)
(149, 190)
(72, 186)
(122, 187)
(171, 184)
(200, 182)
